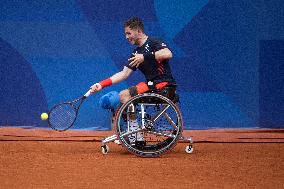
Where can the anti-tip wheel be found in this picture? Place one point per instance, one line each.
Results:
(189, 149)
(105, 149)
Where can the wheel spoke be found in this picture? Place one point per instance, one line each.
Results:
(131, 132)
(170, 120)
(160, 113)
(169, 135)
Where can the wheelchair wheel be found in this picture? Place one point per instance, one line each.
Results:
(105, 149)
(159, 123)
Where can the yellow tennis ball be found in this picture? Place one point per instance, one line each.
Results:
(44, 116)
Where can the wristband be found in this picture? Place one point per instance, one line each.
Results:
(106, 82)
(149, 56)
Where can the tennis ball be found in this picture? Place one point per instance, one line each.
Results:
(44, 116)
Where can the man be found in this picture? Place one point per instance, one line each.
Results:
(151, 57)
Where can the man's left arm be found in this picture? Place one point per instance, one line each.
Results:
(163, 54)
(160, 55)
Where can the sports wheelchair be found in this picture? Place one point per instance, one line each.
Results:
(159, 122)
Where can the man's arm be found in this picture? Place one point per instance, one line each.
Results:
(116, 78)
(160, 55)
(163, 54)
(121, 76)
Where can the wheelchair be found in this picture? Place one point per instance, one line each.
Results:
(159, 123)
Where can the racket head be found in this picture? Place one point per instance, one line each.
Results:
(62, 116)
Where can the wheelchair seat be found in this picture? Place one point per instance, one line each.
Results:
(169, 92)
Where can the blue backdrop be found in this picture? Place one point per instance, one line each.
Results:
(228, 58)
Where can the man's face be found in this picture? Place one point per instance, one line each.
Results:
(132, 35)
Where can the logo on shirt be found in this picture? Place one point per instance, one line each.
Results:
(146, 47)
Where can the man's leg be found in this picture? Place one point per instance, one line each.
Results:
(133, 124)
(124, 96)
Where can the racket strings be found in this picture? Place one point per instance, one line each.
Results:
(62, 116)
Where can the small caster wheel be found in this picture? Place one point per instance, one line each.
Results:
(105, 149)
(189, 149)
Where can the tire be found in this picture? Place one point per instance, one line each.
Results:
(160, 133)
(105, 149)
(189, 149)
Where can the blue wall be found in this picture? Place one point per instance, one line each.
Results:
(228, 58)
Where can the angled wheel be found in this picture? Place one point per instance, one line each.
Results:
(189, 149)
(159, 123)
(105, 149)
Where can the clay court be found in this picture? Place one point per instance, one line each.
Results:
(187, 64)
(33, 158)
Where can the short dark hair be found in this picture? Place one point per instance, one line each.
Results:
(134, 23)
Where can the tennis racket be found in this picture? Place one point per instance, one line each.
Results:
(63, 116)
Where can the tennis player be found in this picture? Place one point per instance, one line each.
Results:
(151, 57)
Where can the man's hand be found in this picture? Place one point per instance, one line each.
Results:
(136, 60)
(95, 88)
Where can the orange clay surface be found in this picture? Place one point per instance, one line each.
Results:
(34, 158)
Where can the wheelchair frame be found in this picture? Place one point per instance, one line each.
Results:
(166, 137)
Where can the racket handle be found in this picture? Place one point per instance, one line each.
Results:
(87, 94)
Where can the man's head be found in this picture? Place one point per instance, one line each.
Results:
(134, 30)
